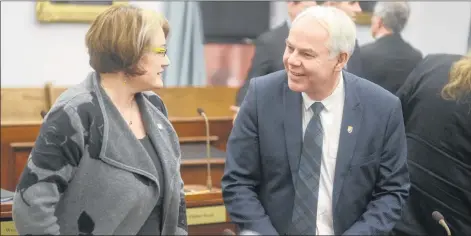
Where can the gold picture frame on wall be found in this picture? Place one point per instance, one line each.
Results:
(363, 18)
(367, 7)
(71, 11)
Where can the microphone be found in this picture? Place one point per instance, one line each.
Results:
(437, 216)
(209, 181)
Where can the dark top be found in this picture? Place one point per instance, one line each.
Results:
(439, 150)
(152, 226)
(268, 56)
(388, 61)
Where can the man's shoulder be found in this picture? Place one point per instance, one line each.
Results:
(269, 86)
(370, 93)
(368, 47)
(275, 79)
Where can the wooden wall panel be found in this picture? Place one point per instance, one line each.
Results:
(25, 104)
(22, 104)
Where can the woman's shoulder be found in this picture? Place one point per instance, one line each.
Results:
(75, 97)
(78, 102)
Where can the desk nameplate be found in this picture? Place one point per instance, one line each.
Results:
(206, 215)
(8, 228)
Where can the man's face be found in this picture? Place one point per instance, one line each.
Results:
(351, 8)
(307, 58)
(376, 24)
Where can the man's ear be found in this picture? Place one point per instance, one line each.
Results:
(380, 22)
(342, 60)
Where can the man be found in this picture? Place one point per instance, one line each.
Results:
(390, 59)
(269, 47)
(439, 145)
(314, 149)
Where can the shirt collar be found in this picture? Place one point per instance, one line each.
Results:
(328, 102)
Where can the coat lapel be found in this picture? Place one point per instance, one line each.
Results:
(349, 131)
(120, 146)
(293, 127)
(165, 141)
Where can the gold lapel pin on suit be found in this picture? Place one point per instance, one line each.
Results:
(349, 129)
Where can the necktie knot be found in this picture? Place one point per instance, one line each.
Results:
(317, 107)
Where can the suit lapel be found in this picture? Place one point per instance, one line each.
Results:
(166, 144)
(293, 127)
(349, 131)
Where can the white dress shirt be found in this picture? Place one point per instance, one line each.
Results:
(331, 119)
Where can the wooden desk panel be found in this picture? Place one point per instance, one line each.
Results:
(189, 130)
(19, 153)
(192, 127)
(193, 171)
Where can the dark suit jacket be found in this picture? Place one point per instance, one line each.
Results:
(388, 61)
(268, 57)
(371, 179)
(439, 150)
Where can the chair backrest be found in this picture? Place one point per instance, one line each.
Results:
(32, 104)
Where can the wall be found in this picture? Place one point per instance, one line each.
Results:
(33, 53)
(433, 27)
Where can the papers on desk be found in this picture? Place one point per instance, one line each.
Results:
(6, 196)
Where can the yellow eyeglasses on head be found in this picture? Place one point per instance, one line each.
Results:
(160, 50)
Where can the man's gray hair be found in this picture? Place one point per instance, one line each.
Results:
(393, 14)
(341, 28)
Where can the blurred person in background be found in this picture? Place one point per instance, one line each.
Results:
(107, 159)
(436, 101)
(389, 59)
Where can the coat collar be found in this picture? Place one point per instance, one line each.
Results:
(122, 149)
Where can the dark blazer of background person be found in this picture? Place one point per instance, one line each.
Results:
(268, 57)
(439, 150)
(388, 61)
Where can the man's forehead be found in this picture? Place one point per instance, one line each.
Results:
(309, 29)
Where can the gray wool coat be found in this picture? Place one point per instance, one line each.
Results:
(88, 174)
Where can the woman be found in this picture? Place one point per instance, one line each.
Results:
(107, 158)
(436, 101)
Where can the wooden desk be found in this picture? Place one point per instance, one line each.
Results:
(17, 139)
(193, 168)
